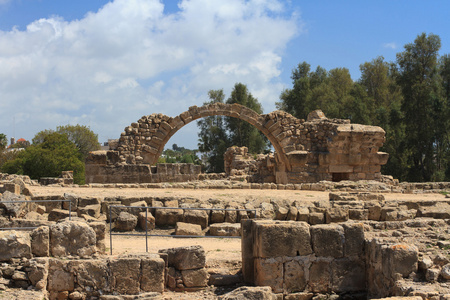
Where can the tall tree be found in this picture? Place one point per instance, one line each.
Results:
(243, 133)
(422, 104)
(82, 136)
(3, 141)
(48, 159)
(213, 139)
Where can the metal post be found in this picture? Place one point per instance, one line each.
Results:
(70, 210)
(146, 230)
(110, 230)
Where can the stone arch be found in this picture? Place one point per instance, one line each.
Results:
(144, 141)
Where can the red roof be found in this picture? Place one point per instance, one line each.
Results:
(21, 140)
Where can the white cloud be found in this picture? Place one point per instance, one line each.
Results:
(131, 59)
(390, 45)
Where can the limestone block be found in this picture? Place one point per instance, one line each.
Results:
(125, 275)
(354, 239)
(247, 251)
(231, 216)
(82, 202)
(40, 241)
(348, 275)
(292, 238)
(292, 213)
(152, 278)
(125, 222)
(136, 211)
(13, 209)
(185, 258)
(402, 258)
(328, 240)
(38, 272)
(14, 244)
(358, 214)
(252, 293)
(188, 229)
(100, 233)
(303, 214)
(59, 278)
(336, 214)
(199, 217)
(72, 238)
(225, 229)
(90, 210)
(168, 217)
(295, 276)
(92, 276)
(269, 272)
(299, 296)
(316, 218)
(319, 276)
(195, 277)
(150, 221)
(59, 214)
(375, 212)
(281, 213)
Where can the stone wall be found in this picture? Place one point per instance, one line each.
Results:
(99, 170)
(294, 257)
(305, 151)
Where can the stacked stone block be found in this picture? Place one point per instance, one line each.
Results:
(296, 257)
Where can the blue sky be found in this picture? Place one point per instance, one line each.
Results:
(105, 64)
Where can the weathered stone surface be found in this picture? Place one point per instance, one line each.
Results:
(188, 229)
(319, 276)
(354, 239)
(168, 217)
(250, 293)
(348, 275)
(295, 275)
(149, 221)
(217, 216)
(72, 238)
(152, 278)
(293, 239)
(124, 275)
(14, 244)
(328, 240)
(59, 214)
(199, 217)
(125, 222)
(92, 210)
(225, 229)
(403, 259)
(40, 241)
(92, 276)
(269, 272)
(186, 258)
(14, 210)
(73, 201)
(336, 214)
(60, 279)
(100, 234)
(445, 272)
(195, 277)
(38, 272)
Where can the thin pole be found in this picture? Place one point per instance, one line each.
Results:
(110, 230)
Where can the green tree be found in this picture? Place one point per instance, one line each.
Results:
(82, 136)
(3, 141)
(48, 159)
(242, 133)
(213, 138)
(422, 104)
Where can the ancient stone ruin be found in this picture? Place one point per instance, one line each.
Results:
(305, 151)
(359, 240)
